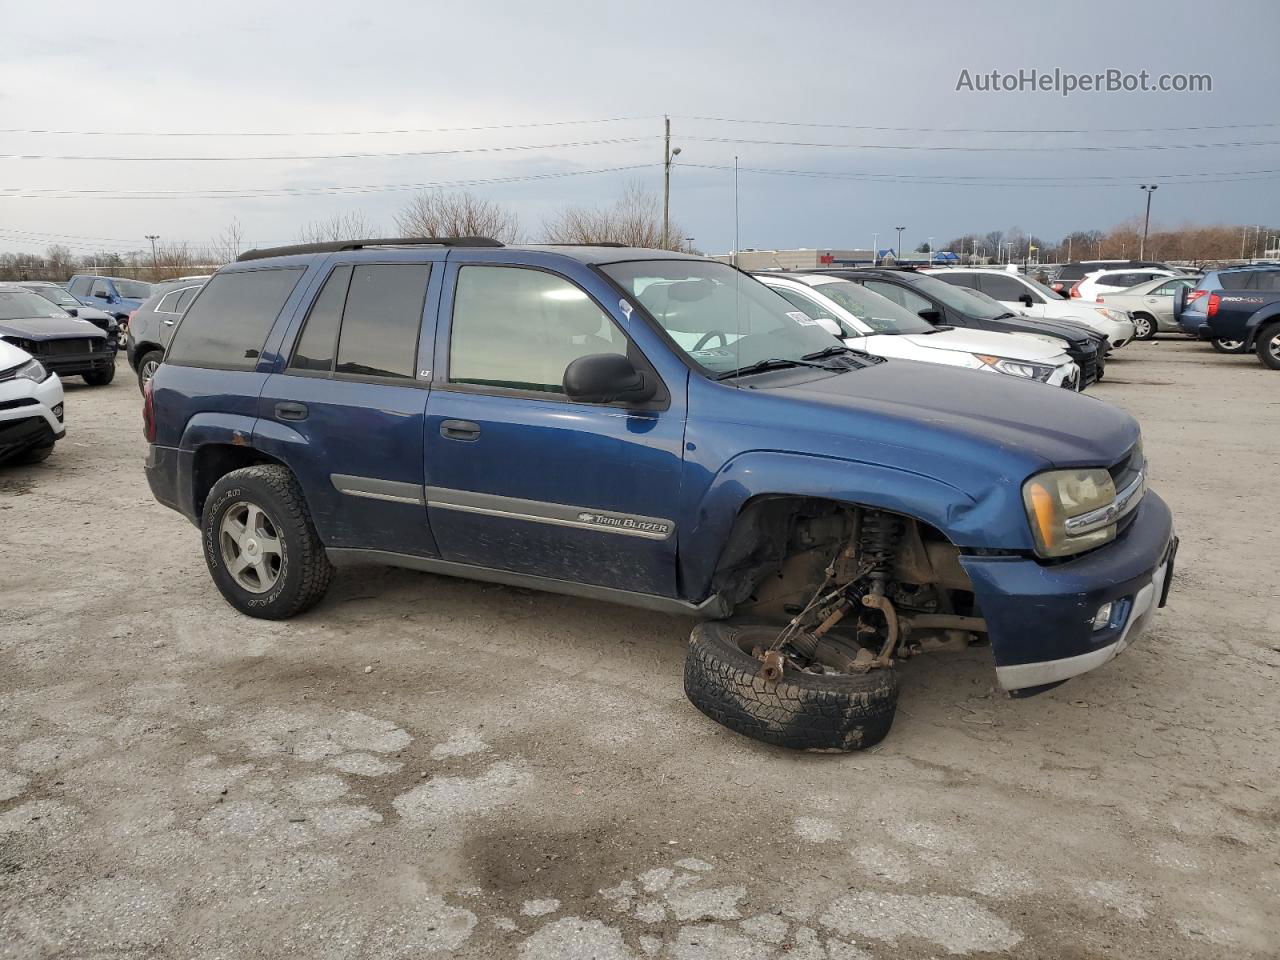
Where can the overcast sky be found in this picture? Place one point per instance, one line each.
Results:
(237, 68)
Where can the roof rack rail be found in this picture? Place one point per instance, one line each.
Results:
(588, 243)
(334, 246)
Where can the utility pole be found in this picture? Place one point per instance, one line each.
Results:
(155, 267)
(897, 254)
(929, 244)
(1244, 235)
(735, 209)
(668, 155)
(875, 249)
(1146, 224)
(1068, 249)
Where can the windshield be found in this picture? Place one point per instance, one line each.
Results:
(25, 305)
(967, 301)
(879, 313)
(133, 289)
(55, 294)
(721, 318)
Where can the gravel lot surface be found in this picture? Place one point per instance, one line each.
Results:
(519, 774)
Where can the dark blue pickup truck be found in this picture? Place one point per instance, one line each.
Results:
(1236, 310)
(659, 430)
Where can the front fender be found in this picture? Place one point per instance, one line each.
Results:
(964, 520)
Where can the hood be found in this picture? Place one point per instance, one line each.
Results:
(1077, 333)
(11, 356)
(49, 328)
(995, 424)
(1014, 347)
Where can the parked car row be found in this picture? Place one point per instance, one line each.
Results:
(665, 431)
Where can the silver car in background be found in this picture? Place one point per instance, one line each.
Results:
(152, 324)
(1149, 305)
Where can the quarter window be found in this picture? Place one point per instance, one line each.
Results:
(227, 328)
(185, 298)
(520, 329)
(169, 302)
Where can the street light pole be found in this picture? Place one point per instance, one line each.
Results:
(929, 243)
(668, 155)
(875, 249)
(155, 266)
(1146, 223)
(897, 254)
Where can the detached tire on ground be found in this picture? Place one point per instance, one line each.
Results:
(261, 547)
(802, 711)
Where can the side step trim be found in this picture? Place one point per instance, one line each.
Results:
(713, 608)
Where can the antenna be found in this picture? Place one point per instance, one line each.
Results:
(737, 278)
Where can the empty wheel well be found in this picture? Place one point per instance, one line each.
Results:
(781, 549)
(213, 461)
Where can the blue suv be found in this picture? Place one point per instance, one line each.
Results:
(659, 430)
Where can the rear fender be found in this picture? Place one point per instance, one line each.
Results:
(958, 516)
(1262, 317)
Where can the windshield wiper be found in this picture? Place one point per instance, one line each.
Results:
(769, 364)
(827, 352)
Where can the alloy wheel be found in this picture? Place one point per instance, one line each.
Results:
(251, 547)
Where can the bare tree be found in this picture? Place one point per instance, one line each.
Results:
(635, 220)
(435, 213)
(59, 261)
(227, 246)
(352, 225)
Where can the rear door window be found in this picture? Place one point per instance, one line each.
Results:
(169, 302)
(319, 341)
(1000, 288)
(184, 299)
(227, 326)
(81, 286)
(900, 295)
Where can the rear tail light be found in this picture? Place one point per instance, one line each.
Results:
(1075, 289)
(1195, 295)
(148, 413)
(1212, 309)
(1100, 300)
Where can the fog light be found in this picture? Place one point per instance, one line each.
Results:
(57, 410)
(1102, 619)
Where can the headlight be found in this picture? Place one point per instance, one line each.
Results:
(32, 371)
(1017, 368)
(1058, 496)
(1114, 315)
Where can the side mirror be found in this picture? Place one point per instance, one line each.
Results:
(606, 378)
(930, 316)
(74, 311)
(829, 325)
(1026, 300)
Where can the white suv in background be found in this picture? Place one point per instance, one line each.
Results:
(1024, 295)
(866, 321)
(30, 407)
(1113, 281)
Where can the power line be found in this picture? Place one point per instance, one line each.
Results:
(249, 193)
(1003, 148)
(991, 130)
(963, 181)
(337, 156)
(316, 133)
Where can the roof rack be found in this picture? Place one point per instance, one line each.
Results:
(588, 243)
(334, 246)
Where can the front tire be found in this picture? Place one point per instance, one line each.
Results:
(100, 378)
(260, 545)
(1144, 327)
(832, 712)
(1228, 346)
(1268, 347)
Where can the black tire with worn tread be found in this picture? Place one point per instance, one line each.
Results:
(1268, 346)
(305, 570)
(802, 711)
(100, 378)
(150, 355)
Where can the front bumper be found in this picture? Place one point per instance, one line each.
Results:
(1040, 617)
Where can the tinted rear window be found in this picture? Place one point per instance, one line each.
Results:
(1238, 280)
(380, 324)
(228, 324)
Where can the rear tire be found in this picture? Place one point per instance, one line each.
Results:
(1144, 327)
(1228, 346)
(1268, 346)
(802, 711)
(292, 571)
(147, 366)
(100, 378)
